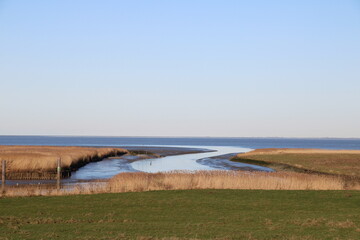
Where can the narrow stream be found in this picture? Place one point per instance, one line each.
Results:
(189, 162)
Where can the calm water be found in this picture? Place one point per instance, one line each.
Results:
(189, 162)
(196, 161)
(254, 143)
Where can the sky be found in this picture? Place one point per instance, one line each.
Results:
(180, 68)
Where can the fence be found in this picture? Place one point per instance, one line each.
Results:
(57, 174)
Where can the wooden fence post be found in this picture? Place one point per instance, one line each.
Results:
(58, 176)
(3, 176)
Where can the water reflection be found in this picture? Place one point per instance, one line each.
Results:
(196, 161)
(106, 168)
(191, 162)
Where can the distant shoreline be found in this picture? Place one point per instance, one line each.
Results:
(177, 137)
(115, 142)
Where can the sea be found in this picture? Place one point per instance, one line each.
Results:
(253, 143)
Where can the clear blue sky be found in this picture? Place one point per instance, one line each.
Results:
(180, 68)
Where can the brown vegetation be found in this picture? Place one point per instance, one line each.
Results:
(139, 181)
(299, 150)
(126, 182)
(43, 158)
(341, 162)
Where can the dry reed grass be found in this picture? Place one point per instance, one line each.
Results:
(43, 158)
(341, 162)
(39, 190)
(138, 182)
(129, 182)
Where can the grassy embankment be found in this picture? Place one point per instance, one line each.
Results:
(44, 158)
(334, 162)
(196, 214)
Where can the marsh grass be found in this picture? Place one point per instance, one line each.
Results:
(43, 158)
(126, 182)
(336, 162)
(181, 180)
(51, 190)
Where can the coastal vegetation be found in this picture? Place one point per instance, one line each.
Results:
(200, 205)
(334, 162)
(44, 158)
(135, 182)
(181, 180)
(298, 169)
(195, 214)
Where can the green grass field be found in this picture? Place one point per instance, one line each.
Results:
(202, 214)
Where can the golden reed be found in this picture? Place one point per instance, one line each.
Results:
(43, 158)
(182, 180)
(129, 182)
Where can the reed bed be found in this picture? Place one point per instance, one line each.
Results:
(51, 190)
(130, 182)
(43, 158)
(180, 180)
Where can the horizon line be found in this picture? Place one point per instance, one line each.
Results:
(109, 136)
